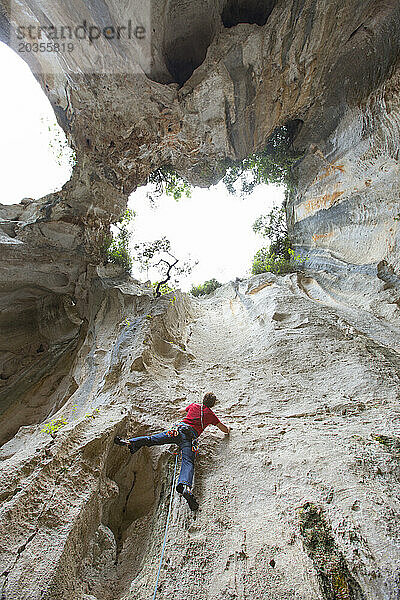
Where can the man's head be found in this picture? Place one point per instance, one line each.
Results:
(209, 400)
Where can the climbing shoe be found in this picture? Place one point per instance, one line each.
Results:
(120, 442)
(133, 447)
(190, 499)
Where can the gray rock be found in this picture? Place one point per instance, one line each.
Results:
(301, 500)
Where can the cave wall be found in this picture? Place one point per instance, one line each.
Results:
(300, 502)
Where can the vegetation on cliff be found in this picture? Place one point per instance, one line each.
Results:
(273, 164)
(206, 288)
(116, 247)
(279, 257)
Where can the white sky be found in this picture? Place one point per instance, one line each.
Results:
(212, 226)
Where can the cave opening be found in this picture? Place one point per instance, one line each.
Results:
(211, 227)
(185, 44)
(183, 56)
(246, 205)
(247, 11)
(36, 157)
(211, 222)
(37, 335)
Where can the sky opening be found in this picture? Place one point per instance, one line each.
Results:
(212, 227)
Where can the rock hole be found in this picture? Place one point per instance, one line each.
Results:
(184, 55)
(247, 11)
(280, 316)
(135, 479)
(188, 34)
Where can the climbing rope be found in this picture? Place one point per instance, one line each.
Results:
(166, 528)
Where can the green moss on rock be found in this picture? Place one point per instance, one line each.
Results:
(334, 577)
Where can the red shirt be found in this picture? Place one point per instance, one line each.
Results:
(200, 421)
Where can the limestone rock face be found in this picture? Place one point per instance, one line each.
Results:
(301, 501)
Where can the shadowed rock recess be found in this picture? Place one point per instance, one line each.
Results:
(302, 501)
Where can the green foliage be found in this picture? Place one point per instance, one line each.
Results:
(274, 227)
(163, 289)
(335, 579)
(116, 247)
(279, 257)
(168, 181)
(157, 254)
(63, 154)
(271, 165)
(266, 261)
(53, 426)
(206, 288)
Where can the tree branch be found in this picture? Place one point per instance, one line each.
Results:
(168, 276)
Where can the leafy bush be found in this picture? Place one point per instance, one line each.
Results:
(279, 257)
(168, 181)
(206, 288)
(53, 426)
(266, 261)
(116, 247)
(271, 165)
(163, 289)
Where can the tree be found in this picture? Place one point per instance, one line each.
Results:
(116, 248)
(273, 164)
(206, 288)
(274, 227)
(168, 181)
(158, 255)
(279, 257)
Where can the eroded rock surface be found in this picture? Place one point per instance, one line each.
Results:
(310, 387)
(301, 502)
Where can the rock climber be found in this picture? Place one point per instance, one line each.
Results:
(184, 434)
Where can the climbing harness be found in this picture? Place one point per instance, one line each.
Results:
(174, 431)
(195, 446)
(166, 527)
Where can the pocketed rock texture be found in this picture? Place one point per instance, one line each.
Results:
(301, 501)
(310, 389)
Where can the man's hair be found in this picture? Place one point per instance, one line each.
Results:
(209, 400)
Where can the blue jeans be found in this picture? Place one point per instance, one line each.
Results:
(184, 441)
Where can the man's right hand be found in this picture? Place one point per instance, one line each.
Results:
(224, 428)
